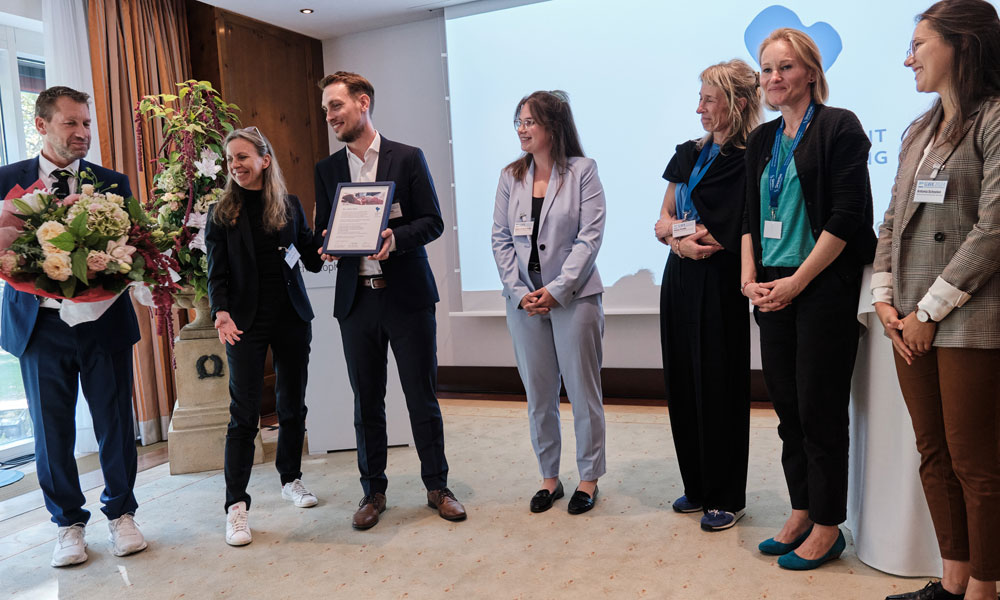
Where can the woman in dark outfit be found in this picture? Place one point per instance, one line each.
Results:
(255, 237)
(807, 236)
(704, 320)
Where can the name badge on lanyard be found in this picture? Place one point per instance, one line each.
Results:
(686, 207)
(776, 174)
(931, 191)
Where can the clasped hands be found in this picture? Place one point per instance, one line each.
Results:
(689, 246)
(910, 337)
(774, 295)
(382, 254)
(538, 302)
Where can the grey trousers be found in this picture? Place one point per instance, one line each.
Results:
(566, 342)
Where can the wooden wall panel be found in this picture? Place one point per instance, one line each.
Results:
(271, 74)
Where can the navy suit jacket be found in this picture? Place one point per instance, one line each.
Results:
(232, 265)
(117, 328)
(408, 274)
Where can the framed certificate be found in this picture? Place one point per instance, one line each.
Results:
(358, 218)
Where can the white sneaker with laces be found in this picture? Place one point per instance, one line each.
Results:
(237, 527)
(124, 536)
(297, 493)
(71, 548)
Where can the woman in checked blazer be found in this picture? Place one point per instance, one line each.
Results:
(936, 287)
(547, 228)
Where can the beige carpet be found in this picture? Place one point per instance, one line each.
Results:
(630, 546)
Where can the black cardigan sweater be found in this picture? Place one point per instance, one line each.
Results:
(832, 163)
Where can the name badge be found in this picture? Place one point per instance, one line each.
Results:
(395, 211)
(292, 256)
(772, 230)
(930, 191)
(523, 227)
(683, 228)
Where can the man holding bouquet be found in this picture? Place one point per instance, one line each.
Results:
(54, 356)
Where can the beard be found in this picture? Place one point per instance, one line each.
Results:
(348, 136)
(71, 153)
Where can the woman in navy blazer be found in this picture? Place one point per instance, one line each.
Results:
(547, 228)
(255, 237)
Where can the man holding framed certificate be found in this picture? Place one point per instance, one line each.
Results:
(385, 291)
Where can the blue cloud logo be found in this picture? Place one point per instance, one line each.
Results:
(774, 17)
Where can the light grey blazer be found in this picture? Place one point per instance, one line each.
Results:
(569, 233)
(959, 240)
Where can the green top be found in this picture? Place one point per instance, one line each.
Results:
(796, 234)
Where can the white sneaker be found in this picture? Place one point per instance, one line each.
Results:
(297, 493)
(71, 548)
(124, 536)
(237, 528)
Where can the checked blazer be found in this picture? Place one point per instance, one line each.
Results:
(957, 240)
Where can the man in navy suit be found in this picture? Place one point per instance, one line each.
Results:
(54, 357)
(388, 298)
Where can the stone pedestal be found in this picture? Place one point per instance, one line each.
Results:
(197, 435)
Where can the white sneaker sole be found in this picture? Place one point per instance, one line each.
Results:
(305, 503)
(70, 563)
(125, 552)
(238, 543)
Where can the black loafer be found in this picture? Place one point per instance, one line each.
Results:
(581, 502)
(543, 499)
(932, 591)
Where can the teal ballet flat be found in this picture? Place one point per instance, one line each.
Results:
(769, 546)
(794, 562)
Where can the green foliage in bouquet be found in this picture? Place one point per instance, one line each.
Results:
(190, 170)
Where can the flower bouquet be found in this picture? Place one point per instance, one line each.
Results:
(190, 174)
(87, 248)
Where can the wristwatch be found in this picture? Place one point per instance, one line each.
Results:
(923, 316)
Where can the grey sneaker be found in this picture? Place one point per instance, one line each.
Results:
(124, 536)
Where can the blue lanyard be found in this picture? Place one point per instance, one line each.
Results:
(705, 160)
(776, 180)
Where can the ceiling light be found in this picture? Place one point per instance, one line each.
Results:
(306, 11)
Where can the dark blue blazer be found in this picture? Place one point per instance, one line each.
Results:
(232, 265)
(408, 274)
(117, 328)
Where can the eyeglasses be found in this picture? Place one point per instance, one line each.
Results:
(263, 141)
(913, 45)
(528, 123)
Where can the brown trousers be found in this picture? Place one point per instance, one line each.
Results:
(953, 396)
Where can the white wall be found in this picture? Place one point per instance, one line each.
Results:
(406, 65)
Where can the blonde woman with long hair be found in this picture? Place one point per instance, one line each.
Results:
(704, 325)
(255, 236)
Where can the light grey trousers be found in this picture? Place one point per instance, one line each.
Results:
(566, 342)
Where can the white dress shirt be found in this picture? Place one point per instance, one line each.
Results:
(46, 173)
(364, 171)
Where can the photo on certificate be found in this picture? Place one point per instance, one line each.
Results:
(358, 218)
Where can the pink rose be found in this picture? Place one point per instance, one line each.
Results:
(97, 261)
(8, 261)
(70, 200)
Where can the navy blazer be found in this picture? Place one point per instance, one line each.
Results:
(232, 265)
(117, 328)
(408, 274)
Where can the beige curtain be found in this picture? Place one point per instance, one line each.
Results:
(139, 47)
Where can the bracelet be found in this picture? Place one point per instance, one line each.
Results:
(744, 286)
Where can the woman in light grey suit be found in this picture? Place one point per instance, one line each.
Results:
(547, 228)
(936, 288)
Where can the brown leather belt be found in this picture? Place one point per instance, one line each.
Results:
(375, 282)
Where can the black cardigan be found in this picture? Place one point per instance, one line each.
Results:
(832, 164)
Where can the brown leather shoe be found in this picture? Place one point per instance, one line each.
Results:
(368, 511)
(447, 506)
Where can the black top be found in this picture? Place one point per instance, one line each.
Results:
(536, 212)
(720, 195)
(271, 281)
(832, 164)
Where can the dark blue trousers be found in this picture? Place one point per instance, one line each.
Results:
(367, 332)
(56, 358)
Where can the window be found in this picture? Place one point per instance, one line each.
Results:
(31, 75)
